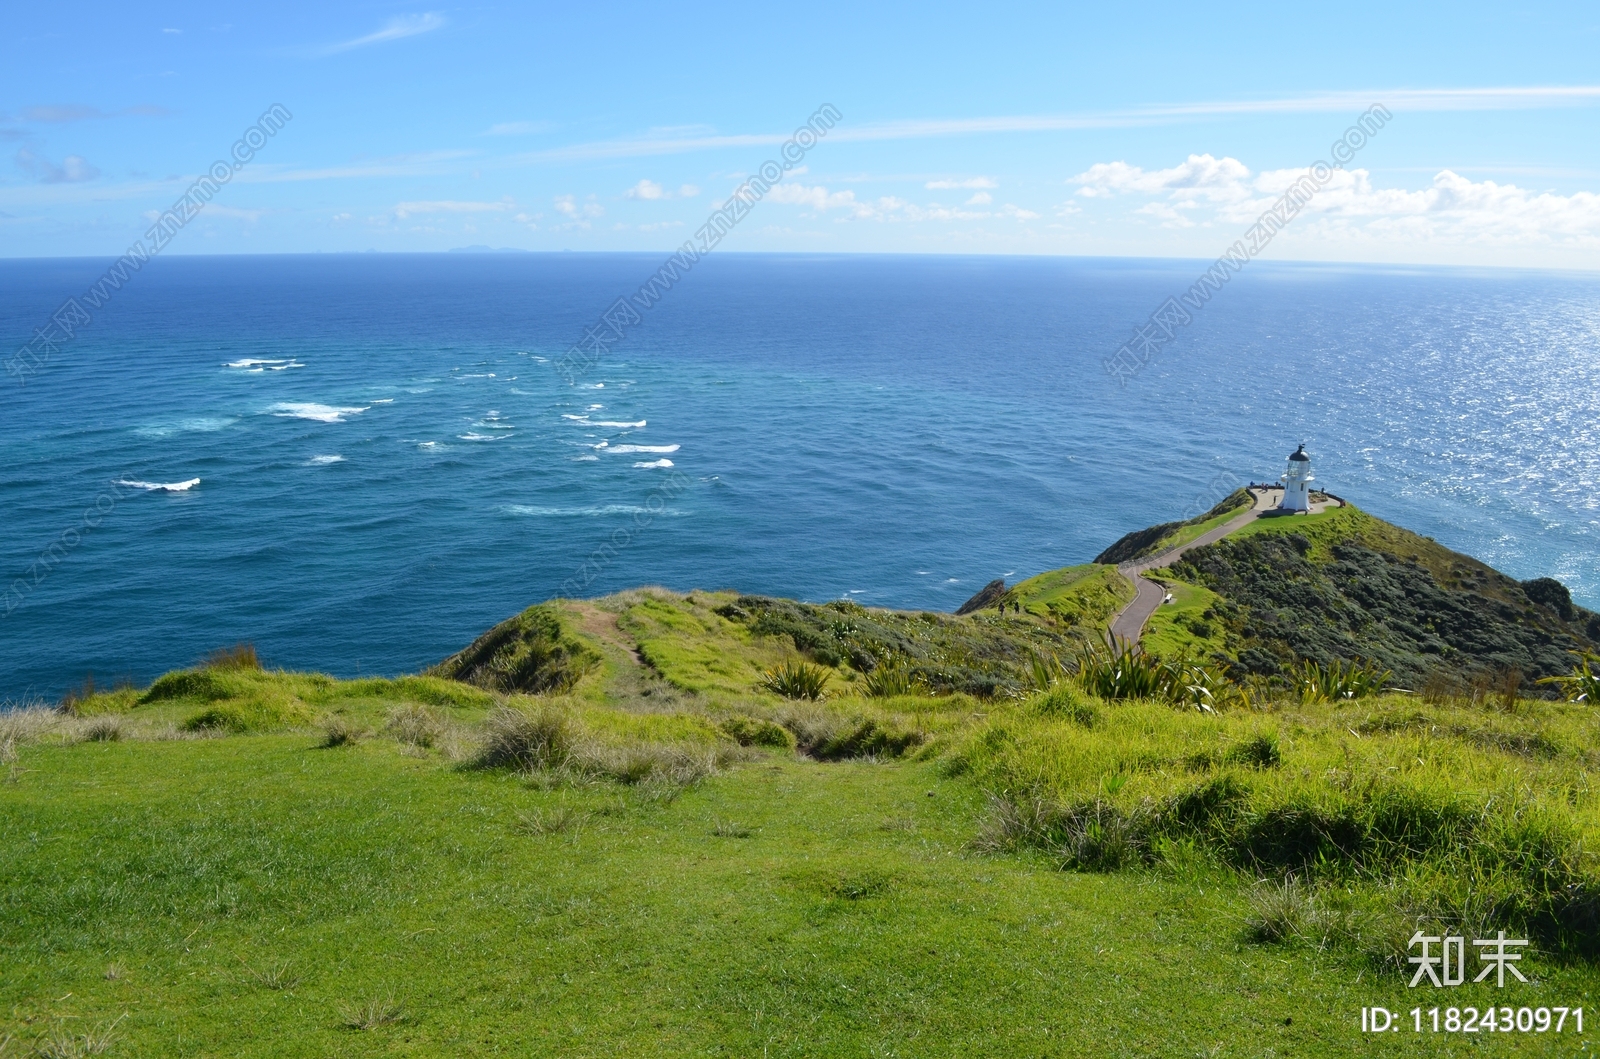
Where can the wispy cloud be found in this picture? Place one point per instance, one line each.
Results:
(410, 209)
(397, 28)
(952, 185)
(65, 112)
(518, 128)
(1409, 99)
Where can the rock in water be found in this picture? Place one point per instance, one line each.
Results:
(987, 596)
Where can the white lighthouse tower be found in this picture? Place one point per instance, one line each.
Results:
(1297, 482)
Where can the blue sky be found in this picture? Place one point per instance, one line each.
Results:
(1053, 129)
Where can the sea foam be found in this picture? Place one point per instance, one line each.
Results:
(163, 487)
(642, 448)
(321, 413)
(653, 464)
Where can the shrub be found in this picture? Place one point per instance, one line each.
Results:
(1583, 683)
(753, 731)
(1341, 680)
(524, 739)
(796, 680)
(892, 679)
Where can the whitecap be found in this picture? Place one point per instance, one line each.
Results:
(584, 459)
(625, 426)
(256, 363)
(164, 487)
(383, 400)
(643, 448)
(594, 408)
(653, 464)
(426, 444)
(285, 367)
(319, 460)
(541, 360)
(606, 509)
(483, 437)
(320, 412)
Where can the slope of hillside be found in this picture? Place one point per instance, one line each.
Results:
(1343, 585)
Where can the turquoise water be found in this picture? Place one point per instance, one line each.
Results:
(388, 462)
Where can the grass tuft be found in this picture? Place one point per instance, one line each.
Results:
(60, 1044)
(525, 739)
(415, 725)
(730, 829)
(279, 977)
(372, 1013)
(102, 728)
(339, 731)
(239, 656)
(557, 821)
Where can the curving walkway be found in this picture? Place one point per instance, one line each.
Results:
(1129, 623)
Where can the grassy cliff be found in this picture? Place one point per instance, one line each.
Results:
(601, 829)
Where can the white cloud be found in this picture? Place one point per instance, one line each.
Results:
(172, 31)
(74, 169)
(956, 185)
(410, 209)
(395, 29)
(1451, 210)
(568, 206)
(817, 197)
(650, 191)
(1199, 176)
(982, 198)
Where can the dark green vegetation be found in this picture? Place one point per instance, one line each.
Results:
(1344, 585)
(982, 655)
(1158, 538)
(660, 824)
(524, 653)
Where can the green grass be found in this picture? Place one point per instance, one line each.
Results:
(1183, 626)
(851, 919)
(665, 860)
(1417, 814)
(1086, 596)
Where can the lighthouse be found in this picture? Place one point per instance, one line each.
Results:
(1297, 482)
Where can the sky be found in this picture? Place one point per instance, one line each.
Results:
(1128, 130)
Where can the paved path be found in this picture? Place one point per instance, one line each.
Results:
(1129, 624)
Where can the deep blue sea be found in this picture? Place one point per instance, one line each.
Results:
(388, 462)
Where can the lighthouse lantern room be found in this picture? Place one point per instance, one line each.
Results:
(1297, 482)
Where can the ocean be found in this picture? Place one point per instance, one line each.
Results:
(360, 462)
